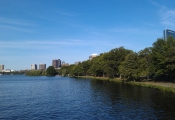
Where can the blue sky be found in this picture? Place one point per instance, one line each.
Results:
(38, 31)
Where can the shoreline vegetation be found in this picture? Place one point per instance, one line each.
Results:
(50, 71)
(151, 67)
(163, 86)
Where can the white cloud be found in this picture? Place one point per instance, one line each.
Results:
(157, 4)
(134, 30)
(18, 25)
(31, 44)
(20, 22)
(168, 17)
(15, 28)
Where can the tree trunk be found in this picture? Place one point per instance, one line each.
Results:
(147, 77)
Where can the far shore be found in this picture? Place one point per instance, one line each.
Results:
(163, 86)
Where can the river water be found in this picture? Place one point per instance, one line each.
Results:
(63, 98)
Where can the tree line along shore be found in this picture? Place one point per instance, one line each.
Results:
(152, 67)
(153, 64)
(50, 71)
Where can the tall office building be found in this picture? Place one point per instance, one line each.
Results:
(56, 63)
(42, 66)
(1, 67)
(167, 33)
(33, 67)
(59, 63)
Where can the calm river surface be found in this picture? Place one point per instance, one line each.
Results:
(63, 98)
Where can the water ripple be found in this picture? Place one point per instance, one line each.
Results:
(38, 98)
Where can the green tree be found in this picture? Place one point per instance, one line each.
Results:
(51, 71)
(71, 69)
(129, 67)
(34, 73)
(117, 56)
(169, 57)
(95, 67)
(163, 57)
(107, 64)
(79, 69)
(86, 66)
(144, 62)
(158, 57)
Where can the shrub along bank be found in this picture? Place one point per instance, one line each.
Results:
(163, 86)
(50, 71)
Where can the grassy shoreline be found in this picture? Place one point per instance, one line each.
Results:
(100, 78)
(163, 86)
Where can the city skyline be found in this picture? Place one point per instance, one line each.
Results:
(40, 66)
(38, 31)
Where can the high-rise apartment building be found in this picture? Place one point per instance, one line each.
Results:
(42, 66)
(1, 67)
(33, 67)
(56, 63)
(167, 33)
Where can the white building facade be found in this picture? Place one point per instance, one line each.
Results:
(92, 56)
(33, 67)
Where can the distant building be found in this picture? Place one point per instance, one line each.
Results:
(92, 56)
(1, 67)
(59, 63)
(167, 33)
(64, 64)
(7, 70)
(42, 66)
(33, 67)
(56, 63)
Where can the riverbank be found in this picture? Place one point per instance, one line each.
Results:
(101, 78)
(163, 86)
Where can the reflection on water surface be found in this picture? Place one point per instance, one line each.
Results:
(23, 97)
